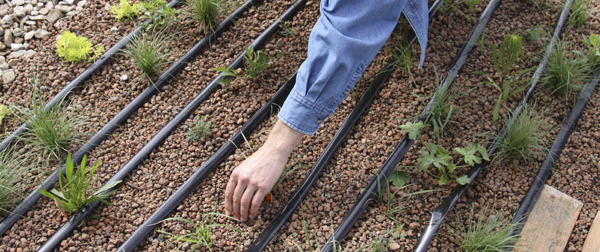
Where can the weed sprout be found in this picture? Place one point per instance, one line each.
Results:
(199, 130)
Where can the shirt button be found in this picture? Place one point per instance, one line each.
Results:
(319, 121)
(346, 93)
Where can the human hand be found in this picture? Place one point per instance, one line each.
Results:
(254, 178)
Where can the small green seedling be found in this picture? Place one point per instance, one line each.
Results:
(162, 16)
(565, 75)
(76, 49)
(74, 187)
(593, 45)
(199, 130)
(125, 10)
(412, 129)
(256, 63)
(285, 29)
(441, 159)
(3, 112)
(201, 236)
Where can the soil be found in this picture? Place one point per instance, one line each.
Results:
(500, 187)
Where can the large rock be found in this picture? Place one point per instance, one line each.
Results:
(19, 11)
(28, 9)
(8, 77)
(29, 53)
(8, 37)
(3, 64)
(64, 8)
(41, 33)
(7, 20)
(18, 2)
(38, 17)
(29, 35)
(17, 54)
(15, 47)
(43, 11)
(54, 15)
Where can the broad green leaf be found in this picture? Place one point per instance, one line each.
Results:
(468, 154)
(463, 180)
(107, 187)
(399, 178)
(594, 40)
(451, 167)
(219, 69)
(443, 180)
(412, 129)
(483, 152)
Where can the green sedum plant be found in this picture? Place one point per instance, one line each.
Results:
(199, 130)
(126, 10)
(441, 159)
(505, 56)
(75, 187)
(75, 48)
(149, 51)
(205, 11)
(256, 63)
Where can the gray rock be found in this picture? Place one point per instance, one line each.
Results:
(19, 40)
(114, 29)
(4, 10)
(41, 33)
(16, 54)
(34, 13)
(78, 9)
(3, 64)
(38, 17)
(32, 23)
(8, 77)
(44, 89)
(107, 7)
(18, 2)
(44, 11)
(19, 11)
(29, 35)
(70, 2)
(70, 14)
(14, 47)
(60, 23)
(82, 4)
(29, 54)
(13, 62)
(8, 37)
(124, 78)
(34, 2)
(7, 20)
(28, 9)
(2, 46)
(64, 8)
(49, 5)
(63, 3)
(54, 15)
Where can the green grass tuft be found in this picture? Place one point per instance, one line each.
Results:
(524, 139)
(205, 11)
(149, 51)
(580, 11)
(490, 232)
(563, 75)
(12, 170)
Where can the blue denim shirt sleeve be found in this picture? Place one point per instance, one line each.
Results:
(343, 42)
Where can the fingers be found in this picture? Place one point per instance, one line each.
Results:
(245, 202)
(237, 196)
(231, 185)
(256, 201)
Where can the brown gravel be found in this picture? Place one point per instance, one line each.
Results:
(500, 186)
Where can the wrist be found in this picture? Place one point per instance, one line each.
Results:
(282, 139)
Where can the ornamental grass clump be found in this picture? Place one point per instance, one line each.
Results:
(490, 232)
(12, 173)
(149, 51)
(565, 75)
(205, 11)
(525, 137)
(76, 49)
(580, 11)
(75, 187)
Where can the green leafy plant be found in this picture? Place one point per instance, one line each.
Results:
(412, 129)
(448, 7)
(256, 63)
(13, 179)
(75, 48)
(199, 130)
(75, 187)
(580, 11)
(505, 57)
(286, 29)
(400, 50)
(491, 232)
(3, 112)
(162, 16)
(565, 76)
(593, 45)
(524, 138)
(50, 131)
(149, 51)
(201, 233)
(481, 43)
(126, 10)
(205, 11)
(441, 159)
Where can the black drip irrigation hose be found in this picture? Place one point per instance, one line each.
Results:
(557, 147)
(390, 164)
(441, 211)
(80, 79)
(292, 204)
(172, 202)
(122, 116)
(149, 147)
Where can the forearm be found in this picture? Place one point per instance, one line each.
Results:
(282, 139)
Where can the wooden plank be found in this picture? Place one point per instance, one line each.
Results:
(550, 222)
(592, 242)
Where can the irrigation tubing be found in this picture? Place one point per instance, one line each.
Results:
(122, 116)
(172, 202)
(441, 211)
(151, 145)
(557, 147)
(288, 209)
(390, 164)
(80, 79)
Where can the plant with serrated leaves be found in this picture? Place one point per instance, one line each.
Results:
(199, 130)
(75, 48)
(593, 45)
(75, 187)
(149, 51)
(286, 29)
(202, 232)
(580, 11)
(412, 129)
(505, 57)
(161, 14)
(440, 158)
(525, 136)
(205, 10)
(258, 61)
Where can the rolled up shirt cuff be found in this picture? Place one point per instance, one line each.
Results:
(302, 114)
